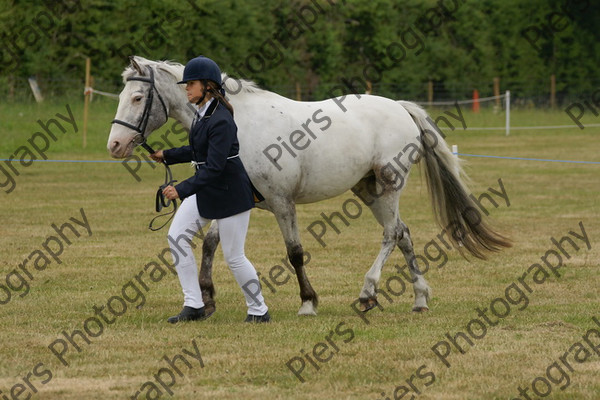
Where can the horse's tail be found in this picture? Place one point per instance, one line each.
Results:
(455, 210)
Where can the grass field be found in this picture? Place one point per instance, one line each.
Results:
(539, 342)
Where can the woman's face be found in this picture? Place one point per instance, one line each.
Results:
(195, 90)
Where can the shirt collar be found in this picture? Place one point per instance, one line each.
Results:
(202, 109)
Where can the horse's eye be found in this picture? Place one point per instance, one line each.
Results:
(138, 99)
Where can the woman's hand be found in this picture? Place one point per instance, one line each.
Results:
(170, 193)
(158, 156)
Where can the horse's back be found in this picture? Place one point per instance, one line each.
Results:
(318, 150)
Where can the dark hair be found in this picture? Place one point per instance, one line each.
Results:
(215, 90)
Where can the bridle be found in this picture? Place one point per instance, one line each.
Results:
(140, 140)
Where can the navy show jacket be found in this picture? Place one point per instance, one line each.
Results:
(221, 184)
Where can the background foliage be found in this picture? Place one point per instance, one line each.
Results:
(464, 49)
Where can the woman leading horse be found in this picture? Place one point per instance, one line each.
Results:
(220, 189)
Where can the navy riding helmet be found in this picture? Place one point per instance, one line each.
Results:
(201, 68)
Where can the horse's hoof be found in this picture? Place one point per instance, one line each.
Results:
(368, 304)
(209, 309)
(307, 308)
(420, 309)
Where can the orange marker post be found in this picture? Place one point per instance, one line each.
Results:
(475, 101)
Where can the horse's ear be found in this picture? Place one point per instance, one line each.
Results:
(135, 65)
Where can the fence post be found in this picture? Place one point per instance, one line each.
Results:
(552, 91)
(497, 93)
(507, 112)
(86, 101)
(298, 91)
(430, 92)
(35, 89)
(475, 101)
(455, 153)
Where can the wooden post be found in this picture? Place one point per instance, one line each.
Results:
(35, 89)
(507, 106)
(430, 92)
(552, 91)
(86, 101)
(11, 87)
(497, 91)
(298, 91)
(369, 88)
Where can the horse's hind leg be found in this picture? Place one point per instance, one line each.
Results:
(368, 294)
(385, 209)
(209, 245)
(420, 286)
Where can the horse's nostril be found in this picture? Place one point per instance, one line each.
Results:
(114, 146)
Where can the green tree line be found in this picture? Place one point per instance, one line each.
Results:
(317, 48)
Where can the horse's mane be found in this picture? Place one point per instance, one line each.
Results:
(231, 85)
(173, 68)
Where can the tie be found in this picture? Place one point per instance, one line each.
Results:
(196, 118)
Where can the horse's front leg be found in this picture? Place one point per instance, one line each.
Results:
(209, 245)
(285, 213)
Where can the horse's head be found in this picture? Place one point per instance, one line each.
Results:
(150, 96)
(143, 107)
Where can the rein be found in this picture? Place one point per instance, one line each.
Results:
(160, 200)
(139, 140)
